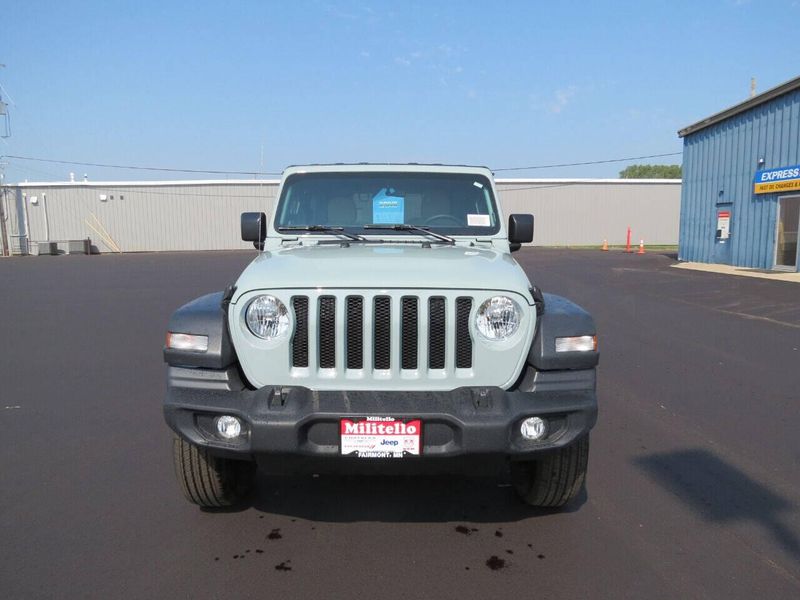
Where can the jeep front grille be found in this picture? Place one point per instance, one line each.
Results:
(361, 328)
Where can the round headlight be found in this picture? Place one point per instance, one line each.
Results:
(498, 318)
(267, 317)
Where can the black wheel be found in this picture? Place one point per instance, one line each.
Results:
(554, 479)
(210, 481)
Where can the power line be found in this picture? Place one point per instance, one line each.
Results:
(256, 173)
(589, 162)
(539, 187)
(138, 167)
(28, 169)
(127, 190)
(152, 192)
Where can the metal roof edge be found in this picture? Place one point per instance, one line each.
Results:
(771, 94)
(101, 184)
(255, 182)
(589, 181)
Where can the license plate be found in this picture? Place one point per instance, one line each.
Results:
(380, 437)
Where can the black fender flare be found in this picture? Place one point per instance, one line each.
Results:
(561, 318)
(206, 315)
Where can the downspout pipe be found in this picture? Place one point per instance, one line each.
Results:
(46, 221)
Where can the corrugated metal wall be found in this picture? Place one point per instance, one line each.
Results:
(719, 163)
(181, 216)
(584, 213)
(205, 215)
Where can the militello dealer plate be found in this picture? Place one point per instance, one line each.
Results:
(380, 437)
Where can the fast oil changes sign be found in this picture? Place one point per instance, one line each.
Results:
(782, 179)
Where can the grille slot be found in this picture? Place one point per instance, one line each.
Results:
(300, 338)
(463, 340)
(355, 332)
(383, 332)
(409, 332)
(327, 332)
(437, 333)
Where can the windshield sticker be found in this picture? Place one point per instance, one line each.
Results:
(388, 209)
(478, 221)
(477, 184)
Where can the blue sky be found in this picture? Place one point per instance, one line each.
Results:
(206, 85)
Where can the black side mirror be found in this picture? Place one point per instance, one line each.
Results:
(254, 228)
(520, 231)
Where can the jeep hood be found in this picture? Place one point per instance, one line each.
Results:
(382, 266)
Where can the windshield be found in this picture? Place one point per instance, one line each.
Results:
(447, 203)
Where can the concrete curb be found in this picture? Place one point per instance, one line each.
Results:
(739, 271)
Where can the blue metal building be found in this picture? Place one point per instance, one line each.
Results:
(740, 201)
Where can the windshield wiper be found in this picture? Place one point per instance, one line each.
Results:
(325, 229)
(415, 229)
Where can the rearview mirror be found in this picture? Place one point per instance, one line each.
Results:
(520, 231)
(254, 228)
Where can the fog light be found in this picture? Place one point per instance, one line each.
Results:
(229, 427)
(533, 428)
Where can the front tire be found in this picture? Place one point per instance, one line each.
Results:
(554, 479)
(210, 481)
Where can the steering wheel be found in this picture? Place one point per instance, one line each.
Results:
(455, 220)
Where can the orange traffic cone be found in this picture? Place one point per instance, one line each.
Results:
(605, 246)
(641, 247)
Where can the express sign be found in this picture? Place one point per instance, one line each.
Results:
(782, 179)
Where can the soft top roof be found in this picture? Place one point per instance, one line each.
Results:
(387, 168)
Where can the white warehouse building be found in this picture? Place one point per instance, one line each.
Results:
(147, 216)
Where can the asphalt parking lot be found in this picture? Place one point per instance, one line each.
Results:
(693, 488)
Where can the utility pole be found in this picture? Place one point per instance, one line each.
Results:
(5, 131)
(6, 249)
(5, 125)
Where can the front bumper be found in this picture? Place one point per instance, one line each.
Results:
(299, 422)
